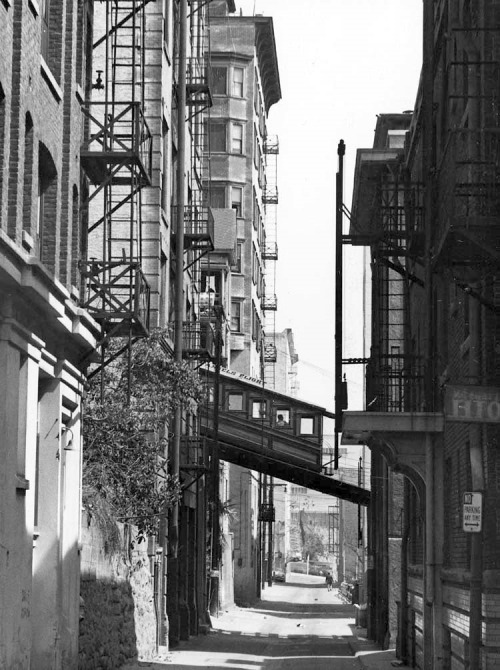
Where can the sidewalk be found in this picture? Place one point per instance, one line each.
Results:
(370, 656)
(211, 651)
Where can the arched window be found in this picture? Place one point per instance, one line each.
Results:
(75, 237)
(28, 173)
(51, 16)
(47, 207)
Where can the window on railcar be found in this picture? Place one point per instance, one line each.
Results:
(259, 409)
(306, 425)
(235, 402)
(282, 418)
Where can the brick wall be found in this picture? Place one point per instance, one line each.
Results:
(118, 600)
(40, 98)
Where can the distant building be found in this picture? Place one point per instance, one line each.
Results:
(244, 85)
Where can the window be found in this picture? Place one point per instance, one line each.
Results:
(236, 316)
(235, 402)
(217, 197)
(218, 81)
(306, 425)
(237, 88)
(165, 164)
(259, 409)
(237, 138)
(51, 17)
(237, 261)
(28, 172)
(166, 21)
(237, 199)
(45, 19)
(282, 419)
(75, 236)
(217, 136)
(256, 328)
(47, 204)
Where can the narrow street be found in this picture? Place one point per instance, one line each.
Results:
(298, 625)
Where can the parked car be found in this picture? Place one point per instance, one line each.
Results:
(279, 576)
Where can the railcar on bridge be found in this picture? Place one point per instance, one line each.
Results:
(271, 432)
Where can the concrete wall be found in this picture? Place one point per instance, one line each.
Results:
(119, 619)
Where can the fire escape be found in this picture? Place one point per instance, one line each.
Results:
(198, 328)
(199, 341)
(116, 158)
(465, 240)
(270, 256)
(392, 226)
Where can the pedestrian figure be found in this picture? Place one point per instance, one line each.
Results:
(281, 421)
(329, 581)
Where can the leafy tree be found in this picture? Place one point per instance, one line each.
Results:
(125, 429)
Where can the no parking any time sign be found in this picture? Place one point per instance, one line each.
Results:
(473, 512)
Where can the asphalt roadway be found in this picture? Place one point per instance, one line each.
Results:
(297, 625)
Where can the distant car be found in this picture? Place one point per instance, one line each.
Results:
(278, 576)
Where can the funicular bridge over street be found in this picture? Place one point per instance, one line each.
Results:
(272, 433)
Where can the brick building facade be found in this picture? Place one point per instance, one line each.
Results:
(426, 202)
(45, 336)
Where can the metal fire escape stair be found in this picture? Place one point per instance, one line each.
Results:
(116, 157)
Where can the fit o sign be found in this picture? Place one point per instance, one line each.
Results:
(472, 520)
(472, 404)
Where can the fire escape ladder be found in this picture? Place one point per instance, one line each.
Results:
(269, 257)
(199, 341)
(394, 374)
(116, 157)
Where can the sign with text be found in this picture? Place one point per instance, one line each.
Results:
(472, 404)
(472, 521)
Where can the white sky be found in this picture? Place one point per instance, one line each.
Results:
(341, 63)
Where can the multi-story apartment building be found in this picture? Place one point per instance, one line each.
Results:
(244, 85)
(428, 208)
(103, 225)
(151, 229)
(45, 335)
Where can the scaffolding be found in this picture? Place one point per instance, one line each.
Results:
(116, 157)
(269, 257)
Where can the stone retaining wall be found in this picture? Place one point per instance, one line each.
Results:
(117, 600)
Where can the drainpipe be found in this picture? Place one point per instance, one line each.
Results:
(403, 611)
(477, 472)
(428, 179)
(173, 534)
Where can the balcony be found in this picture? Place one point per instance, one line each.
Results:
(270, 352)
(197, 87)
(269, 303)
(270, 251)
(395, 383)
(117, 295)
(210, 306)
(270, 195)
(119, 143)
(198, 228)
(198, 340)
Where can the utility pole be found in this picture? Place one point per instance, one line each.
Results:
(338, 301)
(215, 577)
(173, 527)
(270, 552)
